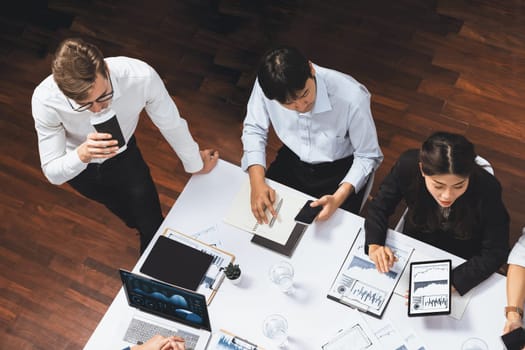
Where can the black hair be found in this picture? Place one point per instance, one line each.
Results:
(283, 72)
(446, 153)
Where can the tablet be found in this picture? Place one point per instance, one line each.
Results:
(429, 288)
(176, 263)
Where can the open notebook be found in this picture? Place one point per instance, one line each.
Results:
(284, 233)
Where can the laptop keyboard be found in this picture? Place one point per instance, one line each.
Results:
(140, 331)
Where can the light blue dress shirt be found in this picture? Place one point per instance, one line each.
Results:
(339, 125)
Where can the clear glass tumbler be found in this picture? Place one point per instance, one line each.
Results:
(474, 344)
(275, 327)
(281, 274)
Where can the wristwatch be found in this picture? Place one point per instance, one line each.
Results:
(517, 309)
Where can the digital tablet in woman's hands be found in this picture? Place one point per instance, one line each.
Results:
(430, 288)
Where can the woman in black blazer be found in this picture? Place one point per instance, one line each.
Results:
(453, 204)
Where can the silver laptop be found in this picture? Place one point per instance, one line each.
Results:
(185, 312)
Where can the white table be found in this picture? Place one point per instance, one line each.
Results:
(312, 318)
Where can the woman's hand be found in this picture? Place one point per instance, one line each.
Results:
(382, 256)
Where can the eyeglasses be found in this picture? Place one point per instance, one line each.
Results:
(100, 99)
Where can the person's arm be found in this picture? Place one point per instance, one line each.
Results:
(391, 192)
(254, 139)
(367, 155)
(515, 296)
(262, 196)
(331, 202)
(158, 342)
(363, 136)
(494, 237)
(162, 110)
(58, 165)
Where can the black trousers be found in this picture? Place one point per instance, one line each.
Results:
(124, 185)
(316, 180)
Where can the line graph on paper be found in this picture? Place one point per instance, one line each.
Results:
(366, 295)
(359, 284)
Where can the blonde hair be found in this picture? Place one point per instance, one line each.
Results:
(75, 67)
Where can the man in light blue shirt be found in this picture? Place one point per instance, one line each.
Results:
(324, 120)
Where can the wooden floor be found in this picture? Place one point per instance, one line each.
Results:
(430, 65)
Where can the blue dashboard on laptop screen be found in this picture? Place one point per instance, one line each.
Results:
(165, 300)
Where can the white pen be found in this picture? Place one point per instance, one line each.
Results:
(277, 208)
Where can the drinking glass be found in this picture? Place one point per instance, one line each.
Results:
(275, 327)
(281, 274)
(474, 344)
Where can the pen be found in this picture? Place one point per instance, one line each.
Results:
(277, 208)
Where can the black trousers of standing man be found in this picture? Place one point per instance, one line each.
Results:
(124, 185)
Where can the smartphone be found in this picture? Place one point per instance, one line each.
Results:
(514, 340)
(111, 126)
(307, 214)
(429, 288)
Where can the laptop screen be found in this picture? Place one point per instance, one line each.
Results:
(166, 300)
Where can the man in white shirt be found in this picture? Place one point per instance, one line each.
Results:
(83, 87)
(324, 120)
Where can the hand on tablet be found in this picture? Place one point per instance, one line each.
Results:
(382, 256)
(97, 146)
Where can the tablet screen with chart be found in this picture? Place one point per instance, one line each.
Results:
(429, 288)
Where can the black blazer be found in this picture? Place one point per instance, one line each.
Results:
(487, 248)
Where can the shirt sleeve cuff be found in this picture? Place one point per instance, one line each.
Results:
(251, 158)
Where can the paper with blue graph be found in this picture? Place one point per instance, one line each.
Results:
(224, 340)
(359, 285)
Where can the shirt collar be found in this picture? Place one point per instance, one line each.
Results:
(322, 102)
(116, 88)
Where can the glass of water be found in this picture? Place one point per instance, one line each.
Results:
(281, 274)
(474, 344)
(275, 327)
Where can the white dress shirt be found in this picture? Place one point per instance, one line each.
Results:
(339, 125)
(517, 254)
(136, 86)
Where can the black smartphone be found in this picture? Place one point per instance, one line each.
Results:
(514, 340)
(307, 214)
(111, 126)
